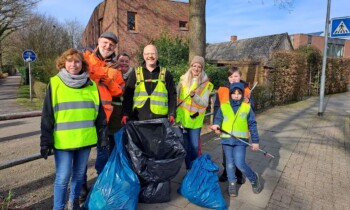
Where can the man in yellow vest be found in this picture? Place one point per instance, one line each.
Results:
(150, 92)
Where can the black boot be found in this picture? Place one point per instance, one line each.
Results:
(223, 177)
(83, 193)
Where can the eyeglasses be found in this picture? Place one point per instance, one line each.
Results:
(149, 54)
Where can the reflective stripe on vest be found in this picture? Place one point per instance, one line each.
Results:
(75, 112)
(188, 107)
(159, 96)
(235, 124)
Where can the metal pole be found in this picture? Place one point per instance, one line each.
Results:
(324, 61)
(30, 83)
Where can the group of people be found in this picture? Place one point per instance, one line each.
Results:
(96, 92)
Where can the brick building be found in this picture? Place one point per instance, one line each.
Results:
(339, 48)
(136, 22)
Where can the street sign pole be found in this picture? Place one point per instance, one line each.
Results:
(324, 62)
(30, 83)
(29, 56)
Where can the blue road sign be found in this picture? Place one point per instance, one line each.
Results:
(29, 56)
(340, 27)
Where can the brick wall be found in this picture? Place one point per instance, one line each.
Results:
(152, 17)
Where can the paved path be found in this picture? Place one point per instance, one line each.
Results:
(312, 165)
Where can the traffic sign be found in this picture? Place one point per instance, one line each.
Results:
(29, 56)
(340, 27)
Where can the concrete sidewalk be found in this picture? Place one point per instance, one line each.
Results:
(312, 165)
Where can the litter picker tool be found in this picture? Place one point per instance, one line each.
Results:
(192, 90)
(253, 87)
(266, 154)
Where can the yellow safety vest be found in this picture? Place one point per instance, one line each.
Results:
(159, 96)
(235, 124)
(75, 112)
(188, 107)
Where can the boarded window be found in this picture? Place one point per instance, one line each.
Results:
(132, 21)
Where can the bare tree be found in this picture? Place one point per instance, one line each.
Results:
(13, 16)
(75, 30)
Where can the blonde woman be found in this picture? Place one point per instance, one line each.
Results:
(193, 98)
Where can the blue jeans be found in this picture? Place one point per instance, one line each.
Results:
(235, 157)
(191, 143)
(69, 164)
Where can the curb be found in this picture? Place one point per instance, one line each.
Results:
(20, 115)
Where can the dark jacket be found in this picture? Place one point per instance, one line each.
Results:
(48, 121)
(145, 113)
(252, 124)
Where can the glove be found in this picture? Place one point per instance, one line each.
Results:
(106, 80)
(124, 119)
(45, 151)
(171, 119)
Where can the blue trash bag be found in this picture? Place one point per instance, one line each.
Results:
(201, 184)
(117, 187)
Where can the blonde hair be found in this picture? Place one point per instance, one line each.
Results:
(188, 77)
(71, 54)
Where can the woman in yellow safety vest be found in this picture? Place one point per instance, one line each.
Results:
(193, 98)
(72, 122)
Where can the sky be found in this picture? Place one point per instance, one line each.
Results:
(225, 18)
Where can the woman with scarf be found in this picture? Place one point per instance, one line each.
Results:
(72, 122)
(193, 98)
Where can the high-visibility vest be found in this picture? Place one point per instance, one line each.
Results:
(75, 112)
(187, 107)
(234, 123)
(159, 96)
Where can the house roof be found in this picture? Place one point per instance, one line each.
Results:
(256, 49)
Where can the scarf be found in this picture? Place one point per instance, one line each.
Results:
(73, 81)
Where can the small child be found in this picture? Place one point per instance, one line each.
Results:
(237, 118)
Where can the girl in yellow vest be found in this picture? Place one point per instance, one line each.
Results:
(238, 119)
(72, 122)
(193, 98)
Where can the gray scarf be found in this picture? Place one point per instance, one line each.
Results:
(73, 81)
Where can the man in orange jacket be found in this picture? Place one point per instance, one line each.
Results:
(103, 70)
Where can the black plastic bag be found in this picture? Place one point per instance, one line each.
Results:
(155, 149)
(155, 192)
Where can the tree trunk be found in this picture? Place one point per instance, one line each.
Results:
(197, 28)
(0, 58)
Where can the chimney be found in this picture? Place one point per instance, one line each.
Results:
(233, 38)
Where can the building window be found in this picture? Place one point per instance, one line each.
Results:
(183, 25)
(335, 50)
(132, 21)
(309, 39)
(100, 22)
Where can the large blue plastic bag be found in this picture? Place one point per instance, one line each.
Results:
(117, 187)
(201, 185)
